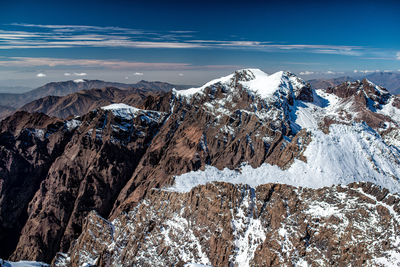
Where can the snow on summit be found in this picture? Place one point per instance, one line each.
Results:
(255, 80)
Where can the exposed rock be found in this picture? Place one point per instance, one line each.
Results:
(223, 224)
(90, 173)
(29, 143)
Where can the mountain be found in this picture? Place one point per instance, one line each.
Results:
(248, 169)
(11, 102)
(82, 102)
(325, 83)
(14, 89)
(389, 80)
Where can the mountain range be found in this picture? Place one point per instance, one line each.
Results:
(389, 80)
(250, 169)
(10, 102)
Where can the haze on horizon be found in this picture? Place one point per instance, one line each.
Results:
(191, 43)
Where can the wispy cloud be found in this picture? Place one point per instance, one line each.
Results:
(80, 73)
(398, 55)
(75, 74)
(99, 63)
(365, 71)
(138, 74)
(41, 75)
(306, 72)
(69, 36)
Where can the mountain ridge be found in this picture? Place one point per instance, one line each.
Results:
(389, 80)
(12, 102)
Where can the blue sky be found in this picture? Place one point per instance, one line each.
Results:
(191, 42)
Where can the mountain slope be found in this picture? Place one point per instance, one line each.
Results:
(246, 128)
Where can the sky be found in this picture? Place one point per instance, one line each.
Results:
(191, 42)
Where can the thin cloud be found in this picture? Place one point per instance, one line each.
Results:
(114, 64)
(398, 55)
(306, 73)
(365, 71)
(74, 74)
(99, 63)
(138, 74)
(41, 75)
(69, 36)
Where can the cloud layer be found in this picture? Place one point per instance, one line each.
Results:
(69, 36)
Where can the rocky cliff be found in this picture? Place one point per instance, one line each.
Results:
(222, 224)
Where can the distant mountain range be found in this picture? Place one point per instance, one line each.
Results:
(10, 102)
(388, 80)
(84, 101)
(14, 89)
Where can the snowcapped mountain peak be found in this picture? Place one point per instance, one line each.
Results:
(255, 81)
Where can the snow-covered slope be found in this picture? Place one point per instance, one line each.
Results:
(254, 80)
(349, 153)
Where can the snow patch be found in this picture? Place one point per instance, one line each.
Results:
(128, 112)
(22, 264)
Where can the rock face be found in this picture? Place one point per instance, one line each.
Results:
(26, 155)
(93, 168)
(111, 158)
(235, 225)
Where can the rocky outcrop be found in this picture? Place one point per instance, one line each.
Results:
(223, 224)
(94, 166)
(29, 143)
(362, 101)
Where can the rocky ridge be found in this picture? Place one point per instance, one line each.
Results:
(222, 224)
